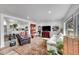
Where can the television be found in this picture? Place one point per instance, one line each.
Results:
(46, 28)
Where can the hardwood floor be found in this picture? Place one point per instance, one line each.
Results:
(36, 47)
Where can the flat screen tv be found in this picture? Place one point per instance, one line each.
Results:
(46, 28)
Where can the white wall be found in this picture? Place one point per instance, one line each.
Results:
(1, 31)
(52, 23)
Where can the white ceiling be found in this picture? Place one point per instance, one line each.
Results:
(13, 21)
(36, 12)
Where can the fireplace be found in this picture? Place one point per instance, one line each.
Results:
(46, 34)
(46, 31)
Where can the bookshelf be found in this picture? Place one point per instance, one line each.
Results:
(33, 30)
(71, 26)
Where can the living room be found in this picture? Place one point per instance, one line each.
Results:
(36, 29)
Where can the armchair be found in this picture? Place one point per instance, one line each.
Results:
(22, 41)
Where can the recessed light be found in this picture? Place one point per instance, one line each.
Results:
(49, 12)
(5, 22)
(28, 17)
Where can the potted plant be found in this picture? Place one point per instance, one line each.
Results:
(51, 52)
(60, 47)
(13, 26)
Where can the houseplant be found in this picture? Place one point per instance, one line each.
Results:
(60, 47)
(13, 26)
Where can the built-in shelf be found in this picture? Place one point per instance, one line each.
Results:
(71, 26)
(33, 30)
(70, 30)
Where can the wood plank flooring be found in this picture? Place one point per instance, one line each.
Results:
(37, 46)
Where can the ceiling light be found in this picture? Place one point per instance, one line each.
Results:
(28, 17)
(49, 12)
(5, 22)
